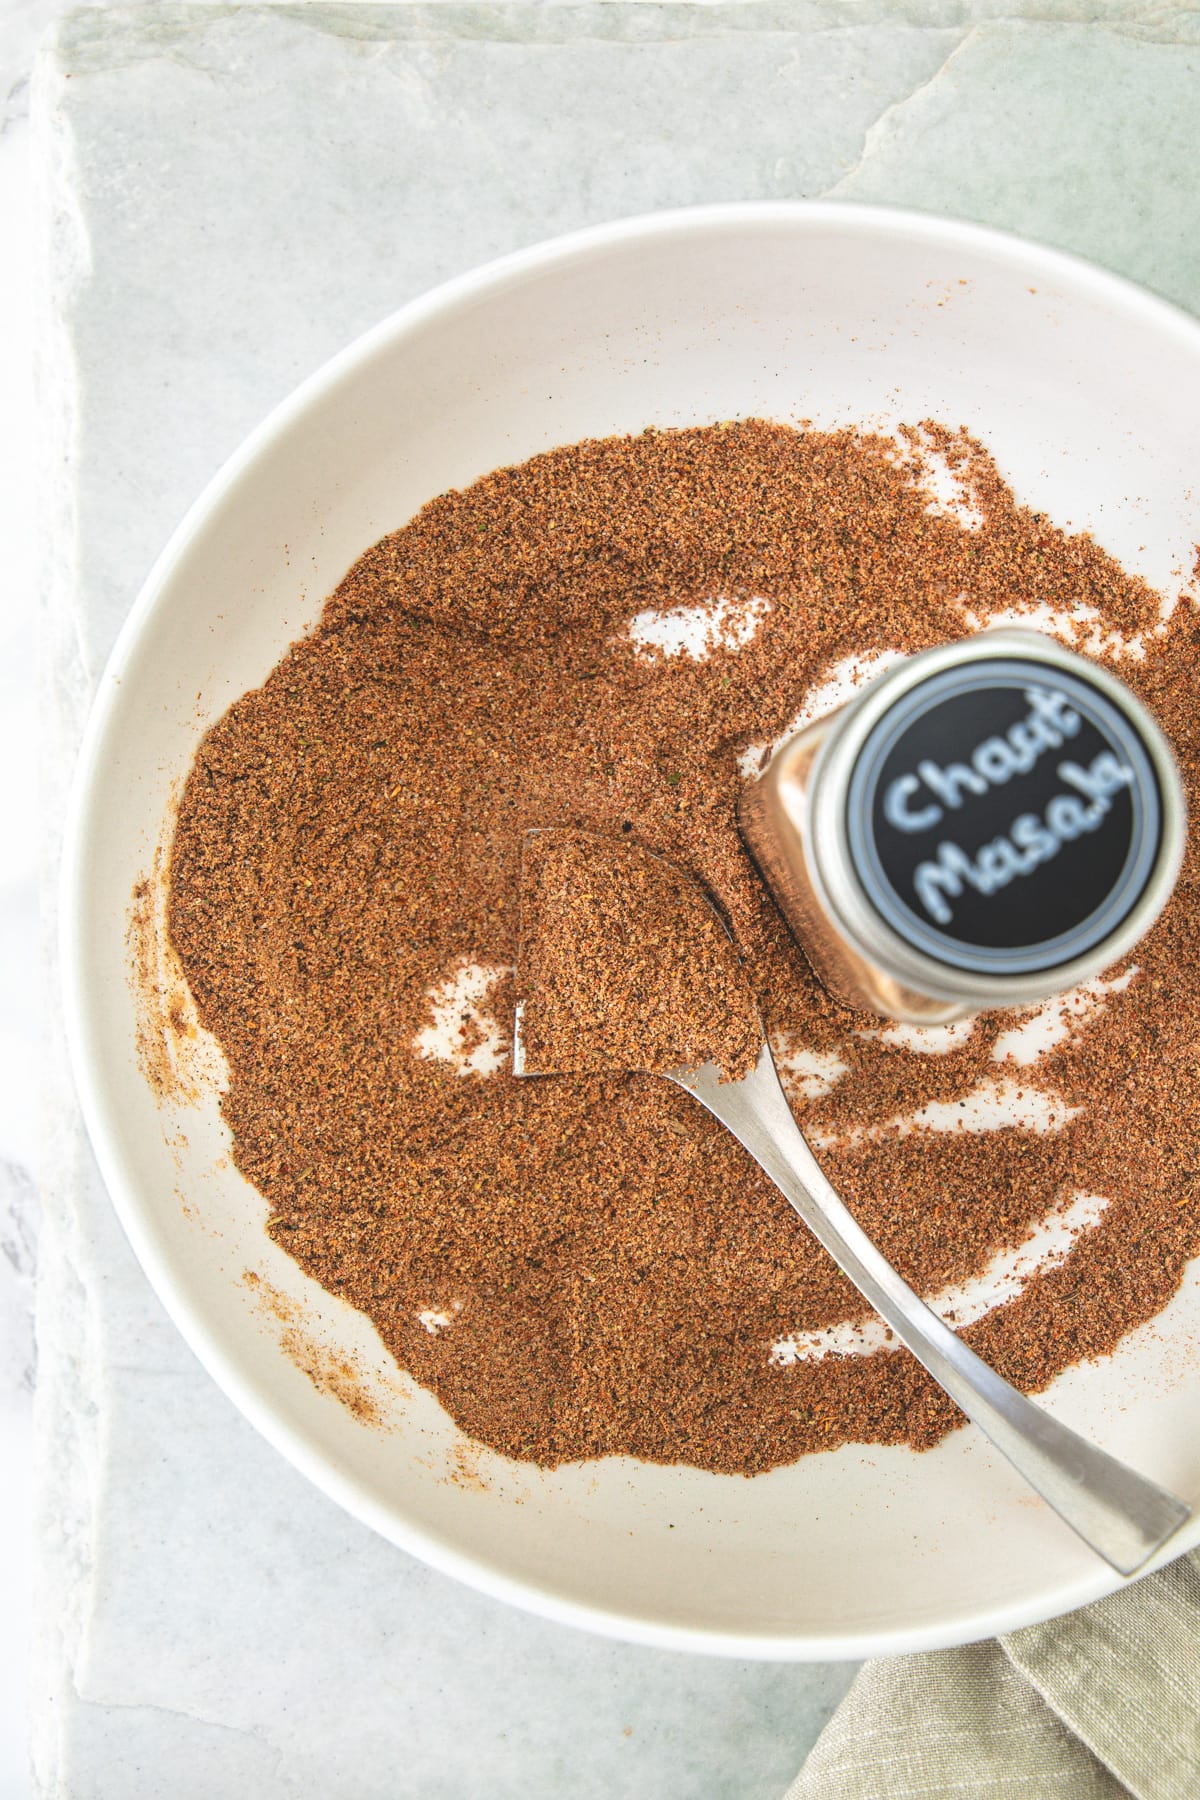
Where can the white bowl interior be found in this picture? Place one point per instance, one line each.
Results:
(1082, 388)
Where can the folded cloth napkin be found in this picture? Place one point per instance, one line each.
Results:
(1098, 1705)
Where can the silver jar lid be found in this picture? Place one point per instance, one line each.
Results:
(994, 820)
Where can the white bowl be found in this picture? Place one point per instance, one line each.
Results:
(1084, 387)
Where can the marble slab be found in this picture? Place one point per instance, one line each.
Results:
(227, 196)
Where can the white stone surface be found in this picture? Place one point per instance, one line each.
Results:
(21, 997)
(228, 196)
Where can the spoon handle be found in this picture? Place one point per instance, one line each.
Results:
(1122, 1515)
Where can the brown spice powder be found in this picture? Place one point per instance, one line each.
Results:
(625, 965)
(328, 1371)
(612, 1268)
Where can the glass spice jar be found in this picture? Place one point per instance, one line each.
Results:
(984, 825)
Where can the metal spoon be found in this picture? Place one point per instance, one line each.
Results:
(1122, 1515)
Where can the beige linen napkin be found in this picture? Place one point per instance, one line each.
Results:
(1099, 1705)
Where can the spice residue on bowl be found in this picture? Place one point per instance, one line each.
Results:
(608, 639)
(624, 965)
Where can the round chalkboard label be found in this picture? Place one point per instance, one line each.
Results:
(1003, 816)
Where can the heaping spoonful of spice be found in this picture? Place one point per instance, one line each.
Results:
(625, 965)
